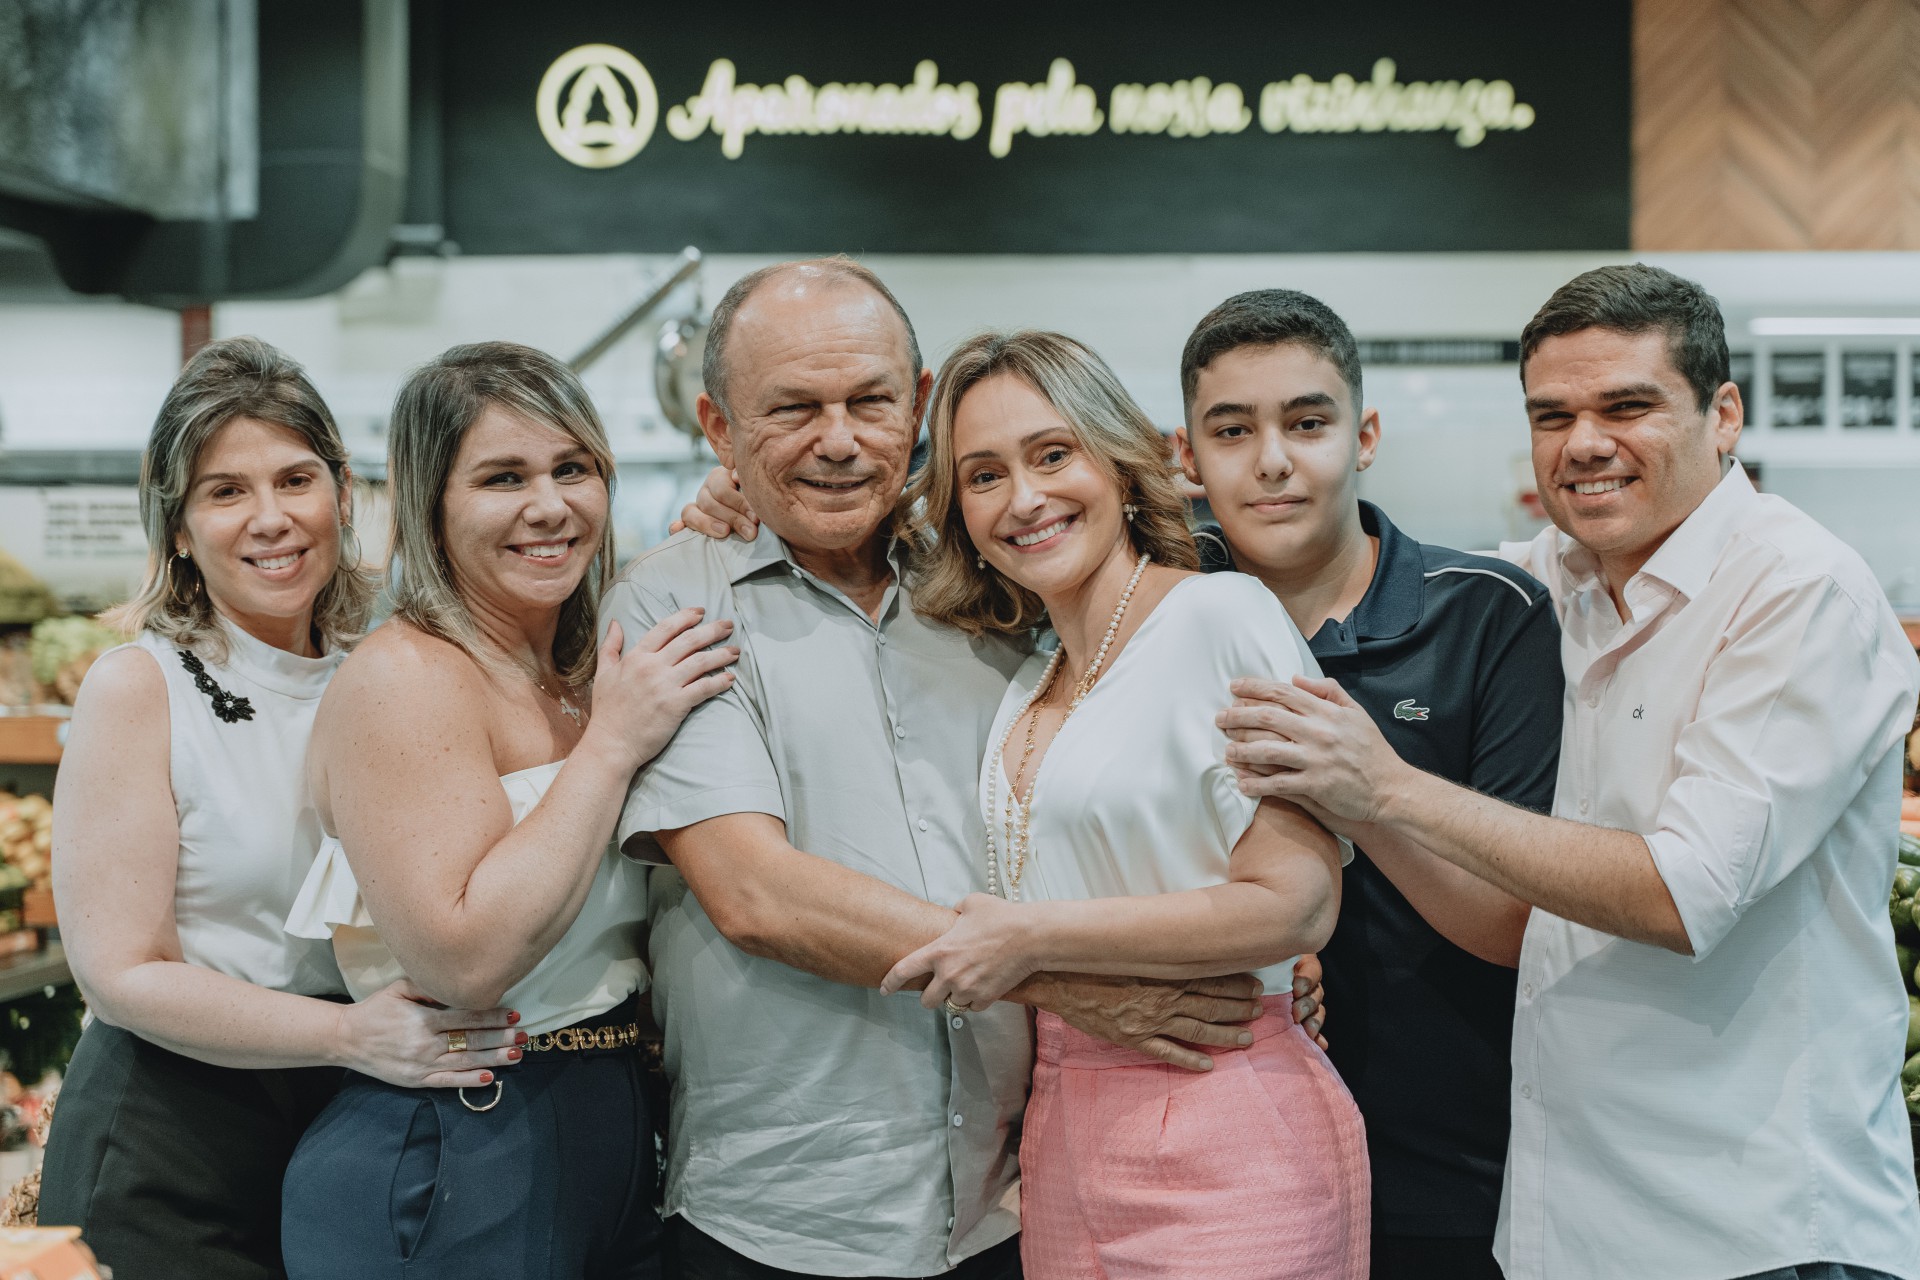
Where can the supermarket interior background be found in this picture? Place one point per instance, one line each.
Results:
(365, 184)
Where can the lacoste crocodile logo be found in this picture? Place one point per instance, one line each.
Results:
(1405, 710)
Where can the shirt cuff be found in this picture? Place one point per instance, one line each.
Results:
(639, 820)
(1705, 851)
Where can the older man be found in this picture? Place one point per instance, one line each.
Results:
(818, 818)
(1710, 1025)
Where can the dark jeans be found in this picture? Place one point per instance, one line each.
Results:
(692, 1254)
(554, 1182)
(1434, 1258)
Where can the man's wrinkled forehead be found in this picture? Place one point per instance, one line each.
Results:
(821, 322)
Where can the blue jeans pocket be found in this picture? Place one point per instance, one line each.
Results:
(416, 1177)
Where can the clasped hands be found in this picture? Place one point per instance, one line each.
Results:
(1310, 743)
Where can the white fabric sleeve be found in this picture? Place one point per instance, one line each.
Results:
(1239, 629)
(1797, 708)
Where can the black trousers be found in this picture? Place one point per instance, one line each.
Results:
(1434, 1258)
(553, 1182)
(170, 1166)
(692, 1254)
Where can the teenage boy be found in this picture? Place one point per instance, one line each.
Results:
(1457, 659)
(1708, 1039)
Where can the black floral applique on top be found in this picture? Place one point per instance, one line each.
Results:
(229, 707)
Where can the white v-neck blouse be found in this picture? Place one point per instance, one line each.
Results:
(1134, 794)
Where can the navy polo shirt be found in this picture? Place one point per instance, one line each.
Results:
(1457, 659)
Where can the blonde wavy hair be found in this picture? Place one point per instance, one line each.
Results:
(229, 379)
(436, 407)
(949, 586)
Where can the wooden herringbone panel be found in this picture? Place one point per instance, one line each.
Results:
(1776, 124)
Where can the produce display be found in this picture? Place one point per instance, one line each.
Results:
(1906, 948)
(26, 841)
(63, 648)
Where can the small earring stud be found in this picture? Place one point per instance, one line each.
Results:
(182, 554)
(979, 562)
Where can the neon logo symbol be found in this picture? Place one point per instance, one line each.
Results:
(610, 109)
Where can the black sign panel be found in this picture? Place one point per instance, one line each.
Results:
(1236, 126)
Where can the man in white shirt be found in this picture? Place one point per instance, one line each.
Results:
(1710, 1024)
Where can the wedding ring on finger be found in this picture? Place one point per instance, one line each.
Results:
(957, 1010)
(456, 1042)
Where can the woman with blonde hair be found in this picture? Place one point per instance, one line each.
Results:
(182, 829)
(1119, 841)
(469, 763)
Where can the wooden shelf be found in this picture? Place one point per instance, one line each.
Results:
(31, 971)
(30, 739)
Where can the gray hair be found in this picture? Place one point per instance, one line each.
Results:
(431, 416)
(714, 372)
(229, 379)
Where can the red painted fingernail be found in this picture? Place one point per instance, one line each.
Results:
(514, 1054)
(513, 1016)
(486, 1077)
(519, 1037)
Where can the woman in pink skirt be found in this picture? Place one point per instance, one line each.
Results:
(1119, 841)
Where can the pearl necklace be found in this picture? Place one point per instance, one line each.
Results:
(1017, 816)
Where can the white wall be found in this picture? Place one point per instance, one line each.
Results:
(92, 375)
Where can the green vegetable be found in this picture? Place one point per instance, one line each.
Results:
(1913, 1102)
(1909, 850)
(1907, 958)
(58, 641)
(1905, 881)
(1901, 912)
(1913, 1025)
(1910, 1074)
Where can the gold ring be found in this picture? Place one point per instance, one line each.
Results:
(958, 1010)
(456, 1042)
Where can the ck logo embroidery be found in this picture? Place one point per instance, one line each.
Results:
(1640, 712)
(1405, 710)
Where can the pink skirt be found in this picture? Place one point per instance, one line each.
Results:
(1130, 1168)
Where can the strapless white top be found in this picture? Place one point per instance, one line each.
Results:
(596, 964)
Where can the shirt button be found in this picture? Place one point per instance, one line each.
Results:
(1526, 1091)
(957, 1121)
(1527, 990)
(899, 731)
(1593, 699)
(958, 1023)
(1583, 804)
(922, 824)
(880, 639)
(949, 1224)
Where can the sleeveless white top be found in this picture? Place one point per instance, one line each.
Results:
(1134, 795)
(248, 830)
(596, 964)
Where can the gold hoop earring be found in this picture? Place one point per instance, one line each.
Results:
(348, 534)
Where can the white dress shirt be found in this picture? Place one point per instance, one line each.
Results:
(1737, 1111)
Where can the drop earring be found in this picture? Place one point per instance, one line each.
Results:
(979, 562)
(1130, 511)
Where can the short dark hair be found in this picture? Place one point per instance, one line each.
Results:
(1270, 318)
(713, 361)
(1635, 298)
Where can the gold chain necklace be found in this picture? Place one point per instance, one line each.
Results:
(567, 708)
(1017, 815)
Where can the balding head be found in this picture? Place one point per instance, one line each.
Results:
(814, 396)
(808, 275)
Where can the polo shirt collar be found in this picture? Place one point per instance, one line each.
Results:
(1394, 599)
(1685, 561)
